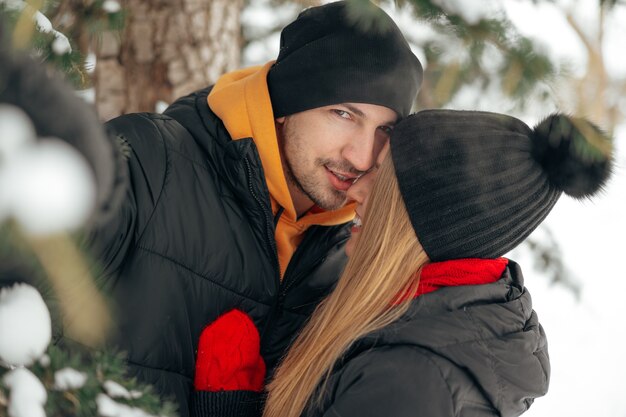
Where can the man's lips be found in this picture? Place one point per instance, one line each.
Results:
(340, 180)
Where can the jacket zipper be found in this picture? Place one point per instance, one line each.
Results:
(269, 220)
(286, 283)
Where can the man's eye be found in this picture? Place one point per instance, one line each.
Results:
(387, 129)
(342, 113)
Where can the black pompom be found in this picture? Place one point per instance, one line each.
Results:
(576, 154)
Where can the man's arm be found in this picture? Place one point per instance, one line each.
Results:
(142, 158)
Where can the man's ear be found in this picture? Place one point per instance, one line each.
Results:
(280, 120)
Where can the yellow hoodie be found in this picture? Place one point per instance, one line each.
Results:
(241, 100)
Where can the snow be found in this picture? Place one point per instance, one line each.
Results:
(42, 22)
(68, 379)
(16, 130)
(257, 18)
(28, 394)
(107, 407)
(116, 390)
(88, 95)
(258, 51)
(46, 185)
(25, 326)
(61, 45)
(613, 51)
(548, 25)
(44, 360)
(111, 6)
(160, 106)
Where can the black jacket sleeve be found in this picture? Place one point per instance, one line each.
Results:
(142, 164)
(395, 381)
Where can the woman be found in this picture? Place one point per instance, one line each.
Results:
(441, 325)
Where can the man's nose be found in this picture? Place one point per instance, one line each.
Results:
(360, 152)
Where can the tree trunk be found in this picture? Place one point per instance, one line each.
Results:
(169, 48)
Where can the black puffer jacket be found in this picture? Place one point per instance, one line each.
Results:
(194, 238)
(471, 351)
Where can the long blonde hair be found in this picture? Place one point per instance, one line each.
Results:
(383, 267)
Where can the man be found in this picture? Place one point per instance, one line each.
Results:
(234, 198)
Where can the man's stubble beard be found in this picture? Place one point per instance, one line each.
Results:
(321, 194)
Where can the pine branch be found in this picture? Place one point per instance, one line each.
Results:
(100, 368)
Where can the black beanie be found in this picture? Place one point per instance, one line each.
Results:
(325, 58)
(476, 184)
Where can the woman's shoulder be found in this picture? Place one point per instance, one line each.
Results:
(470, 341)
(400, 379)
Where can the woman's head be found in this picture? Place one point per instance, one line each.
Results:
(476, 184)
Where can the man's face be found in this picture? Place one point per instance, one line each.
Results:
(325, 149)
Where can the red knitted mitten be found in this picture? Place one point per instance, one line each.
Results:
(229, 357)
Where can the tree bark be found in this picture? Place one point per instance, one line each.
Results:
(168, 48)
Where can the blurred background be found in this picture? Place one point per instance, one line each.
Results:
(526, 58)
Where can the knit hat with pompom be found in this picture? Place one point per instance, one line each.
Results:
(476, 184)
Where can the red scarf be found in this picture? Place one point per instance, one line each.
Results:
(471, 271)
